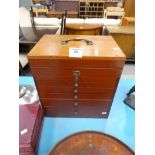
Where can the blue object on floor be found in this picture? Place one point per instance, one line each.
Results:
(120, 123)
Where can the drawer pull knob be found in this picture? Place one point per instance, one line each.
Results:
(75, 97)
(76, 104)
(75, 112)
(75, 91)
(76, 85)
(76, 73)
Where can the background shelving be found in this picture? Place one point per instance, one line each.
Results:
(91, 8)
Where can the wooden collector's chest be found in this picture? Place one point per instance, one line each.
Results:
(82, 86)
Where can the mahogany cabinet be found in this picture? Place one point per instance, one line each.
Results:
(76, 86)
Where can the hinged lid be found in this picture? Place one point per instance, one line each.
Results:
(51, 47)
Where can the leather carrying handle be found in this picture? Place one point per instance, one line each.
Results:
(65, 41)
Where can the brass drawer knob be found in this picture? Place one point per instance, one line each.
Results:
(76, 73)
(76, 79)
(75, 91)
(75, 104)
(76, 85)
(75, 112)
(75, 97)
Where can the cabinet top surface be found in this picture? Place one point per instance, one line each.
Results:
(49, 46)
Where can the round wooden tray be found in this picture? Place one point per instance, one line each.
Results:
(90, 143)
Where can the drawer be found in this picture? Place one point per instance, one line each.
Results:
(71, 102)
(103, 83)
(106, 95)
(86, 74)
(80, 113)
(72, 91)
(74, 62)
(85, 108)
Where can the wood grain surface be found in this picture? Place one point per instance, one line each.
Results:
(91, 143)
(83, 29)
(104, 47)
(63, 92)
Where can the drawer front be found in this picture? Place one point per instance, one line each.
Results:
(88, 90)
(80, 113)
(76, 63)
(99, 83)
(71, 102)
(85, 108)
(87, 74)
(106, 95)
